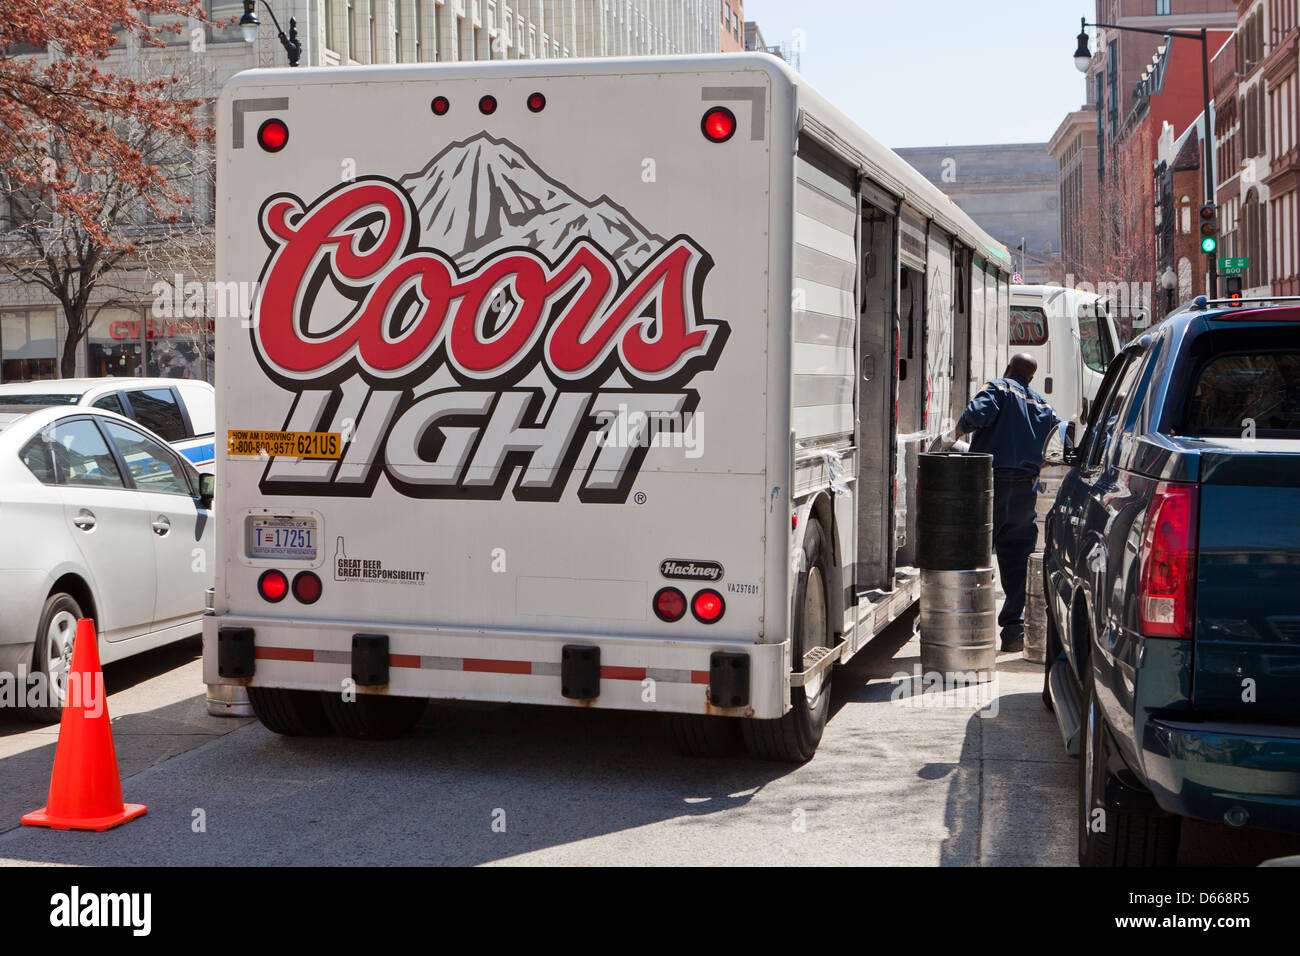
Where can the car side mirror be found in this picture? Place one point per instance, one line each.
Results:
(1059, 448)
(207, 489)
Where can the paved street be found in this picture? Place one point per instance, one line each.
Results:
(892, 784)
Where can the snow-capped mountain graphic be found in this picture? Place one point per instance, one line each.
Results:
(483, 195)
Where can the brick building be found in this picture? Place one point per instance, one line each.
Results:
(1073, 147)
(731, 33)
(1282, 96)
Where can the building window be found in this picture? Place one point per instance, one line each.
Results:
(419, 31)
(370, 32)
(230, 10)
(169, 22)
(1162, 8)
(114, 343)
(1185, 216)
(352, 29)
(398, 56)
(27, 348)
(329, 25)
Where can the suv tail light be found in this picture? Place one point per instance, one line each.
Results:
(1168, 562)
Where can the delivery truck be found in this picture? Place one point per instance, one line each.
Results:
(585, 383)
(1072, 335)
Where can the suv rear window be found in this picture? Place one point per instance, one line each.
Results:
(156, 410)
(1235, 391)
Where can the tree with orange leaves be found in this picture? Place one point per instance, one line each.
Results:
(86, 153)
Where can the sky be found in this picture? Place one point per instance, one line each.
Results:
(938, 72)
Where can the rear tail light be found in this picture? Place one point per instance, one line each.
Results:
(487, 105)
(670, 604)
(273, 135)
(440, 105)
(708, 606)
(536, 102)
(1168, 562)
(273, 586)
(718, 124)
(306, 587)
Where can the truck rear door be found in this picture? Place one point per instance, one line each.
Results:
(533, 304)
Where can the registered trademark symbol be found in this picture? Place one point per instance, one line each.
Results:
(639, 497)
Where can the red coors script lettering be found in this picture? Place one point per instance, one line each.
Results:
(579, 309)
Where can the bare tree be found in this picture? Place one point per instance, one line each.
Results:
(126, 233)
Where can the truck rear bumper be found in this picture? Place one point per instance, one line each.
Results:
(1210, 770)
(503, 666)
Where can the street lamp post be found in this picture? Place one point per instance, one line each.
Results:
(249, 23)
(1082, 60)
(1169, 282)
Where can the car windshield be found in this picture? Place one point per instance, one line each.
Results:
(40, 398)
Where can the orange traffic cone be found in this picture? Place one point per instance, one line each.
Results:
(85, 789)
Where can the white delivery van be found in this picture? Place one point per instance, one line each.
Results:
(587, 383)
(1072, 335)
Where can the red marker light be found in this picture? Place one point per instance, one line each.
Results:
(272, 135)
(487, 105)
(670, 604)
(719, 124)
(537, 102)
(708, 606)
(440, 105)
(306, 587)
(273, 586)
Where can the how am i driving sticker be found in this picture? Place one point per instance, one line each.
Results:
(326, 445)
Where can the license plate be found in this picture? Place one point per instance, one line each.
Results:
(282, 538)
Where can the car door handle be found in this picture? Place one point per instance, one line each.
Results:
(85, 520)
(161, 525)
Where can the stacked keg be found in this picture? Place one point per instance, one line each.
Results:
(1049, 483)
(955, 554)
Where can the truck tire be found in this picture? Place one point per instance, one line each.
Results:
(1110, 835)
(290, 713)
(794, 737)
(372, 716)
(703, 735)
(55, 632)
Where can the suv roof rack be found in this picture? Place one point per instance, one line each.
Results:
(1202, 302)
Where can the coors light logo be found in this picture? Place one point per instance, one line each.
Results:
(472, 322)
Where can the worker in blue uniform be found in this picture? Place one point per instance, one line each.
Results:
(1010, 421)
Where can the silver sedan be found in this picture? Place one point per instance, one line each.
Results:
(102, 520)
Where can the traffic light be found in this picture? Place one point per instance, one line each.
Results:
(1232, 285)
(1209, 229)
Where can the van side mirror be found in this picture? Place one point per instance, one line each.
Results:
(207, 488)
(1059, 448)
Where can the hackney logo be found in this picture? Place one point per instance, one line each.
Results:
(469, 327)
(686, 570)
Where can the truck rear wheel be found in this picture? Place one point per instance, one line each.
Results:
(1109, 834)
(372, 716)
(290, 713)
(794, 737)
(703, 735)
